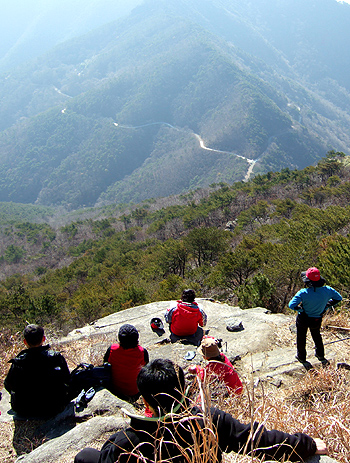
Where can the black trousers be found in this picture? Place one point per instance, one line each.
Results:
(87, 455)
(195, 339)
(304, 323)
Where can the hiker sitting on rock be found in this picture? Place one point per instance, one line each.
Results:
(218, 366)
(311, 303)
(126, 359)
(38, 378)
(178, 433)
(186, 319)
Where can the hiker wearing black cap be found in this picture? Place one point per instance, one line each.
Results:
(126, 358)
(186, 319)
(311, 302)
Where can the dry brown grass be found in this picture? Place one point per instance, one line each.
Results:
(317, 403)
(337, 318)
(86, 350)
(10, 345)
(22, 438)
(7, 452)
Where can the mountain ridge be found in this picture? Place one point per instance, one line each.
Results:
(159, 66)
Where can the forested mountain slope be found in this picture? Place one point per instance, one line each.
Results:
(176, 96)
(245, 244)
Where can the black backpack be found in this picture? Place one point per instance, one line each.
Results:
(86, 376)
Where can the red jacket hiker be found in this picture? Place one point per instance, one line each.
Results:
(218, 365)
(224, 370)
(185, 318)
(126, 365)
(126, 358)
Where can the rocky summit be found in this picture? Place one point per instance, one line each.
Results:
(259, 343)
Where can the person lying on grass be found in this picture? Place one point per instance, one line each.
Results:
(178, 433)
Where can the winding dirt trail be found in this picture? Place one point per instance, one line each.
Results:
(144, 125)
(251, 162)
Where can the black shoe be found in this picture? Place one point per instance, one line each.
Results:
(323, 360)
(344, 365)
(307, 365)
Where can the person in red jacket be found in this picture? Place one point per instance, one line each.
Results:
(126, 358)
(186, 319)
(218, 366)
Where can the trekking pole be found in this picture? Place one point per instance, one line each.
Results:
(338, 340)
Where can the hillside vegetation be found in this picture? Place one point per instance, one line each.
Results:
(246, 244)
(117, 115)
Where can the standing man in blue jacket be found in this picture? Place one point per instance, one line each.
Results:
(311, 302)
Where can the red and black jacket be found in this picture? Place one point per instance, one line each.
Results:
(185, 318)
(126, 364)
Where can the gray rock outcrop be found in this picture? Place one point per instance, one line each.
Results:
(263, 350)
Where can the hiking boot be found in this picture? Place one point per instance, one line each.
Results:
(344, 365)
(307, 365)
(323, 360)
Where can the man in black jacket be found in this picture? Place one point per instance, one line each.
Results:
(38, 378)
(175, 432)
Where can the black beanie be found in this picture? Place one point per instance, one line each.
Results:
(128, 336)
